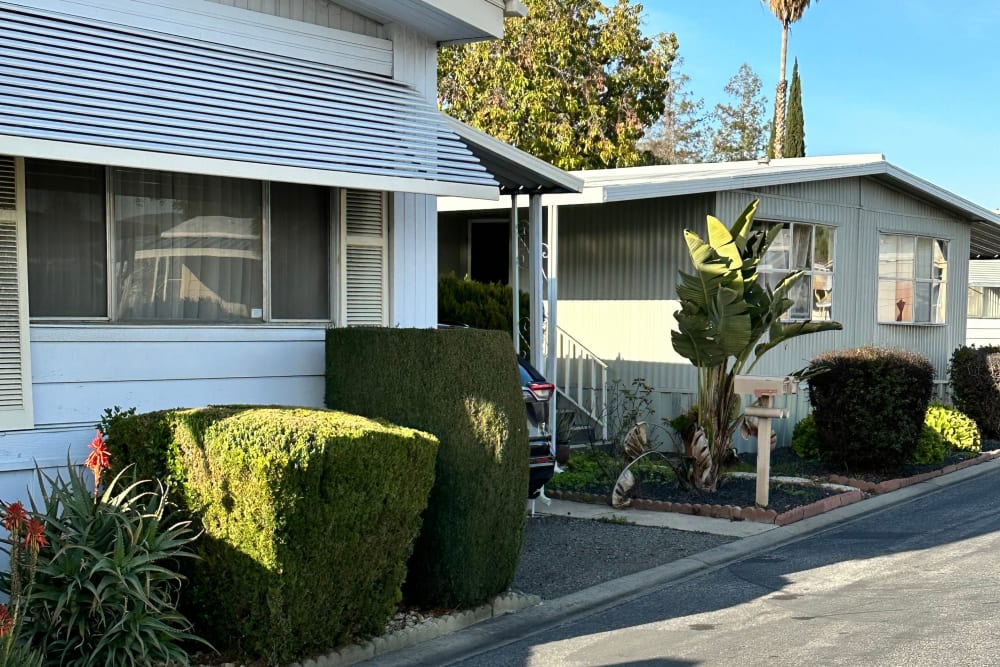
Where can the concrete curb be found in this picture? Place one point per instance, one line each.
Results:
(505, 603)
(502, 631)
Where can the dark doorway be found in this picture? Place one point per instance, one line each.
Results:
(489, 252)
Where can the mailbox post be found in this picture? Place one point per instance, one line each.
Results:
(765, 388)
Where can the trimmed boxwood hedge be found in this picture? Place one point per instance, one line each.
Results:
(463, 386)
(869, 405)
(309, 517)
(974, 374)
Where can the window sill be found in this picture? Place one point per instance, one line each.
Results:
(914, 324)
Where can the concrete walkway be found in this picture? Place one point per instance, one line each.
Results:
(697, 524)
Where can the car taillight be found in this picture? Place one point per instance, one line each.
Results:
(542, 391)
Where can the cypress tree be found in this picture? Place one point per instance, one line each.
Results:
(795, 131)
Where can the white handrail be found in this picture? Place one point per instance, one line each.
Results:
(590, 400)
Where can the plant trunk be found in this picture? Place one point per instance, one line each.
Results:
(717, 426)
(780, 96)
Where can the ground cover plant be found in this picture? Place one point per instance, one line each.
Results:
(590, 472)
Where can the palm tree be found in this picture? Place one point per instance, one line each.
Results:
(787, 12)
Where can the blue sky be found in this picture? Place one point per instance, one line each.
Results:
(916, 80)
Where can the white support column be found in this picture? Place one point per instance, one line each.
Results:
(535, 229)
(515, 287)
(553, 294)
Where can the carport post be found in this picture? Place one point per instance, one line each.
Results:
(553, 294)
(514, 277)
(535, 229)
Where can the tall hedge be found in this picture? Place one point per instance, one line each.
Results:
(974, 374)
(463, 386)
(309, 517)
(463, 301)
(869, 405)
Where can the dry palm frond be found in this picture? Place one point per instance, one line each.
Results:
(787, 11)
(635, 441)
(619, 495)
(702, 457)
(749, 426)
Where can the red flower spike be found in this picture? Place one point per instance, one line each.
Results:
(6, 621)
(34, 535)
(99, 457)
(14, 517)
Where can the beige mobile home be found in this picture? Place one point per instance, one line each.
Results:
(885, 253)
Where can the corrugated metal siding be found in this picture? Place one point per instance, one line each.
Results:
(94, 84)
(620, 250)
(633, 251)
(316, 12)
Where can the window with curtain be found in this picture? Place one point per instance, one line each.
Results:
(184, 248)
(807, 248)
(66, 240)
(913, 272)
(187, 247)
(301, 220)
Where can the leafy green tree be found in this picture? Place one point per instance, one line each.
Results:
(795, 130)
(740, 126)
(682, 134)
(575, 82)
(725, 312)
(787, 12)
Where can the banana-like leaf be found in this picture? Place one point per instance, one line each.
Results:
(782, 331)
(743, 224)
(723, 243)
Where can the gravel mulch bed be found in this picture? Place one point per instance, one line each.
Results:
(562, 555)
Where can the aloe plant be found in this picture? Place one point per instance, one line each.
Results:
(725, 313)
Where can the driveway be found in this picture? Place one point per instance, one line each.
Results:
(914, 584)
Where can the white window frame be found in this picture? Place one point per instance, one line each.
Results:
(764, 270)
(942, 282)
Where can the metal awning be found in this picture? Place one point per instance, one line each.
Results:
(82, 90)
(517, 172)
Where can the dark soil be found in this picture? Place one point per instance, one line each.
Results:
(739, 491)
(786, 462)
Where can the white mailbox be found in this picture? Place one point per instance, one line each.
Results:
(764, 389)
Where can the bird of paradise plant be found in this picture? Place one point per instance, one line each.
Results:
(725, 312)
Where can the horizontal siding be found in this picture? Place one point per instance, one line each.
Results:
(982, 332)
(78, 371)
(316, 12)
(984, 272)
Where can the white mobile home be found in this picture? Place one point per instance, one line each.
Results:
(886, 254)
(192, 191)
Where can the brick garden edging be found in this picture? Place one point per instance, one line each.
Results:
(759, 515)
(731, 512)
(893, 484)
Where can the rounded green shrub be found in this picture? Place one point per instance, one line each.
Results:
(974, 374)
(931, 448)
(959, 431)
(307, 518)
(805, 441)
(869, 405)
(463, 386)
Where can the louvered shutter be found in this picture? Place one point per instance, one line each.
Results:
(365, 251)
(15, 367)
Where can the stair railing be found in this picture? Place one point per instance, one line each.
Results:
(582, 379)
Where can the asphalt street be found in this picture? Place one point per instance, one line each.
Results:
(915, 584)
